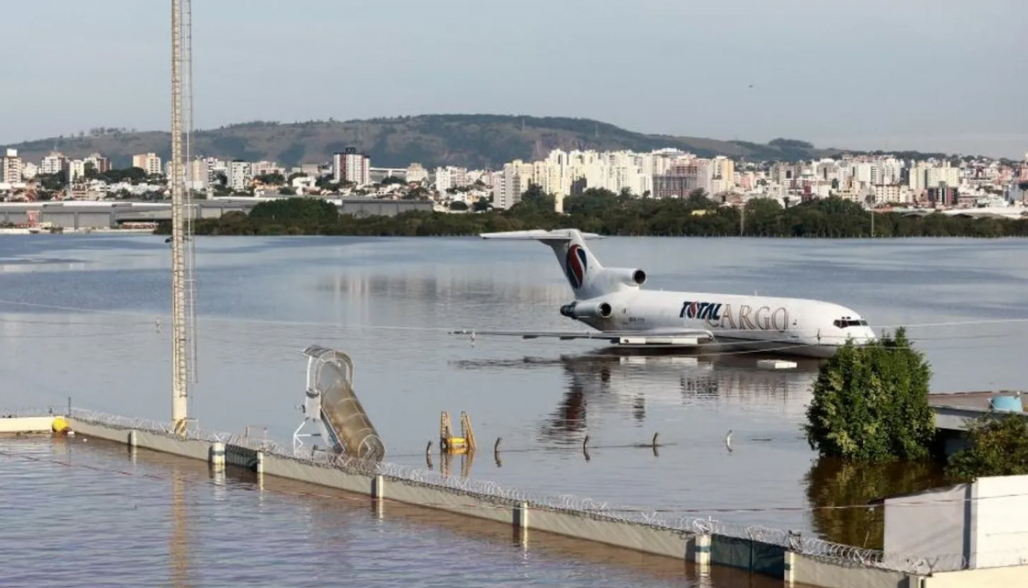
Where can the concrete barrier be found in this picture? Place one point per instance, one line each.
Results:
(816, 571)
(163, 442)
(979, 578)
(24, 425)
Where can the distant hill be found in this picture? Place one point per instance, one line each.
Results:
(467, 140)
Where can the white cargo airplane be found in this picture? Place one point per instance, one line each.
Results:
(611, 301)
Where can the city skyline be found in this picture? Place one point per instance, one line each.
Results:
(909, 76)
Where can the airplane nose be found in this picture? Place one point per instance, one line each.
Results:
(867, 336)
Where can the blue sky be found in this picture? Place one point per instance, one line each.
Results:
(897, 74)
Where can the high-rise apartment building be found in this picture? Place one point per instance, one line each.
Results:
(11, 172)
(450, 177)
(350, 166)
(100, 163)
(148, 162)
(54, 163)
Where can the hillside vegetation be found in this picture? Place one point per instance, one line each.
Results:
(469, 140)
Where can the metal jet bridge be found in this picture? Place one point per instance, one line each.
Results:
(332, 409)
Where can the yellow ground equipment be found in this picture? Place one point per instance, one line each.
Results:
(451, 444)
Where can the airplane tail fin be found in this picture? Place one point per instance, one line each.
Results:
(580, 266)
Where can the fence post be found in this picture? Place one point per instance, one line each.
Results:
(790, 564)
(132, 439)
(260, 462)
(701, 553)
(378, 487)
(520, 521)
(915, 581)
(217, 455)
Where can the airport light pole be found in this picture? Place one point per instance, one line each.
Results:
(180, 367)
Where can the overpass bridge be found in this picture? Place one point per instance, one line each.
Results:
(104, 214)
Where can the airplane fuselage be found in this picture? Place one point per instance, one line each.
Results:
(611, 301)
(759, 323)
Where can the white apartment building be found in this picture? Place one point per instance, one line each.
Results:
(29, 170)
(76, 170)
(198, 174)
(925, 175)
(12, 168)
(149, 162)
(416, 173)
(52, 163)
(866, 174)
(515, 180)
(450, 177)
(100, 163)
(239, 175)
(350, 166)
(892, 194)
(261, 168)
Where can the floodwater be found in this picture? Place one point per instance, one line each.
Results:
(86, 317)
(91, 513)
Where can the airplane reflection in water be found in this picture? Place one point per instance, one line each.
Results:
(605, 380)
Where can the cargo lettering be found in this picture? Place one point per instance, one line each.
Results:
(742, 318)
(700, 310)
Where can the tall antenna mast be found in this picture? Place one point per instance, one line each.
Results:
(190, 207)
(179, 359)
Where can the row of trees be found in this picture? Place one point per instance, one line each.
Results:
(605, 212)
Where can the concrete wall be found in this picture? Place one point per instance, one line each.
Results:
(26, 425)
(101, 218)
(143, 439)
(824, 572)
(935, 521)
(637, 537)
(374, 207)
(1012, 577)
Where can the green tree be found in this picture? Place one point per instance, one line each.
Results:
(997, 446)
(52, 182)
(535, 199)
(698, 199)
(458, 205)
(418, 193)
(871, 403)
(273, 179)
(310, 213)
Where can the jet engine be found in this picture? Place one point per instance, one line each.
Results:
(619, 277)
(587, 309)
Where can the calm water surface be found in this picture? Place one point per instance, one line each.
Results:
(389, 302)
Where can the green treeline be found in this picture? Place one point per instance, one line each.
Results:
(602, 211)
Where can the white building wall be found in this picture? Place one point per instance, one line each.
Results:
(1001, 532)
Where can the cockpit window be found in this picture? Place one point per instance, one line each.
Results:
(845, 323)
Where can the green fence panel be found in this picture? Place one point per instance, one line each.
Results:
(763, 558)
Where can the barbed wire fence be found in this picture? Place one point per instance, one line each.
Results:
(506, 497)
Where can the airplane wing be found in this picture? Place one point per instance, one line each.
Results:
(640, 337)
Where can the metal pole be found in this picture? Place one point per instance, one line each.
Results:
(180, 370)
(190, 209)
